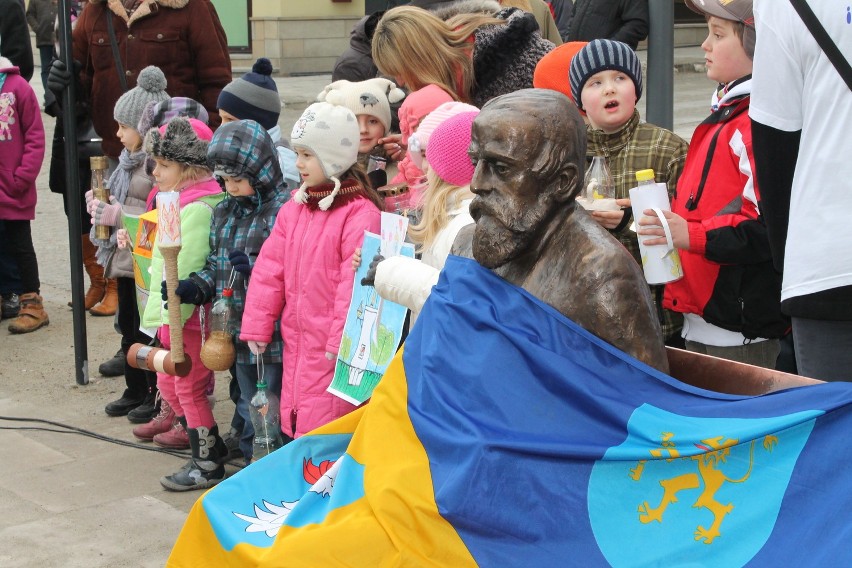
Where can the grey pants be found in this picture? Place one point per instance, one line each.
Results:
(762, 353)
(823, 349)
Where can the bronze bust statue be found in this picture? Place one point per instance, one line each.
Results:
(529, 148)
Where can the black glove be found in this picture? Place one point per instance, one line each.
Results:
(59, 77)
(240, 262)
(188, 292)
(370, 278)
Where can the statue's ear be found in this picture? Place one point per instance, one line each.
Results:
(568, 183)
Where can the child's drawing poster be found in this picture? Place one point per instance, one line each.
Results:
(142, 230)
(371, 334)
(394, 229)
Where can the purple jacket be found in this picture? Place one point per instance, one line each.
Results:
(304, 276)
(21, 147)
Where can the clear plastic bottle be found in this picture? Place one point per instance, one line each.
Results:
(266, 419)
(598, 183)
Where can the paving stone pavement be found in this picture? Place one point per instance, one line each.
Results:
(70, 501)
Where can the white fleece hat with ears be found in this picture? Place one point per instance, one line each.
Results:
(331, 133)
(372, 97)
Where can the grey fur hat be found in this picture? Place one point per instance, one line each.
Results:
(150, 88)
(182, 140)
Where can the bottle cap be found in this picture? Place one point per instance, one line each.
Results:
(261, 384)
(645, 175)
(227, 292)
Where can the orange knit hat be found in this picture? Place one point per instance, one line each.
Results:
(551, 72)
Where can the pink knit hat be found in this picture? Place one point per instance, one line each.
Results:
(447, 149)
(418, 141)
(417, 105)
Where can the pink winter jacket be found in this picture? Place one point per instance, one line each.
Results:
(303, 276)
(21, 147)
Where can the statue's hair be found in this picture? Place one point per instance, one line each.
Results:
(419, 49)
(563, 133)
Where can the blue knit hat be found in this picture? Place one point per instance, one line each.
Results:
(254, 96)
(604, 55)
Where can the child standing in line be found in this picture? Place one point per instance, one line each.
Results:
(180, 151)
(730, 294)
(129, 187)
(303, 276)
(606, 83)
(446, 200)
(371, 102)
(243, 158)
(254, 96)
(21, 156)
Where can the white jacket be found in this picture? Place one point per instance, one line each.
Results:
(408, 281)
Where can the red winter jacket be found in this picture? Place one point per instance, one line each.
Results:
(21, 147)
(184, 38)
(728, 277)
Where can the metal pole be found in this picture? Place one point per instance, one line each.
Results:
(72, 199)
(659, 108)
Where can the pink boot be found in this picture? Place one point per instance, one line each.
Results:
(176, 438)
(160, 424)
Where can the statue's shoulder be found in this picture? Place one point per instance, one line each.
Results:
(463, 245)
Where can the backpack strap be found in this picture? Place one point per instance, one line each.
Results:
(824, 40)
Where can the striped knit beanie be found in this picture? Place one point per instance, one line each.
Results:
(604, 55)
(254, 96)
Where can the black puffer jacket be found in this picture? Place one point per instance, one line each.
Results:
(622, 20)
(356, 63)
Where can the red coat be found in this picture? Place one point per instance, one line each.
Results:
(728, 277)
(184, 38)
(303, 276)
(21, 147)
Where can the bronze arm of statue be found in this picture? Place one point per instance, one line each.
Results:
(529, 148)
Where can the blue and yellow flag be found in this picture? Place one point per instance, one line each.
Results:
(506, 435)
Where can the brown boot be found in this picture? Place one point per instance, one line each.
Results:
(97, 283)
(32, 315)
(109, 304)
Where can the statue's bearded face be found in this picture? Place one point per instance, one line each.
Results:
(511, 202)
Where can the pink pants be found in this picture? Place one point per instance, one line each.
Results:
(188, 395)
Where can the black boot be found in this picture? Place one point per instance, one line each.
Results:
(205, 468)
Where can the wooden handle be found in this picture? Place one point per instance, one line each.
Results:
(170, 255)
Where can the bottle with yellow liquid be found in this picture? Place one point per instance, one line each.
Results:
(598, 183)
(598, 187)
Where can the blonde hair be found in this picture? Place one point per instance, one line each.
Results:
(418, 48)
(188, 173)
(437, 199)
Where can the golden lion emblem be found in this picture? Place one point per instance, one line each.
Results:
(717, 451)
